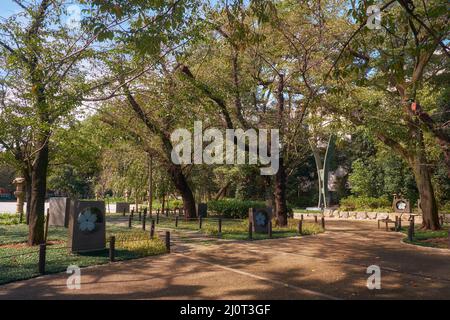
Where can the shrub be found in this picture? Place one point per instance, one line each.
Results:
(237, 209)
(7, 219)
(353, 203)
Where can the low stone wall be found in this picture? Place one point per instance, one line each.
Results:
(362, 215)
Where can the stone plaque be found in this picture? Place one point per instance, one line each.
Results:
(120, 206)
(401, 205)
(260, 217)
(59, 210)
(87, 230)
(202, 210)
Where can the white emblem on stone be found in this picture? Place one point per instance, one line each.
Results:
(87, 220)
(260, 219)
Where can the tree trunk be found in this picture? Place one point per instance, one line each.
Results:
(180, 182)
(427, 199)
(38, 191)
(280, 196)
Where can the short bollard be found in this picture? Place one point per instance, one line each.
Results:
(168, 241)
(42, 253)
(157, 218)
(323, 223)
(152, 230)
(167, 212)
(176, 222)
(123, 213)
(112, 249)
(140, 216)
(132, 213)
(270, 229)
(200, 222)
(47, 220)
(300, 227)
(144, 221)
(449, 238)
(399, 226)
(130, 219)
(411, 231)
(220, 227)
(301, 217)
(396, 223)
(315, 219)
(250, 231)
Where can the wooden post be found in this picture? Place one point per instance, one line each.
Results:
(270, 229)
(387, 224)
(250, 231)
(442, 220)
(130, 217)
(411, 231)
(200, 222)
(123, 213)
(112, 249)
(168, 241)
(220, 227)
(47, 219)
(132, 213)
(323, 223)
(176, 221)
(144, 221)
(157, 218)
(42, 253)
(399, 223)
(300, 227)
(150, 185)
(301, 217)
(449, 238)
(152, 230)
(315, 218)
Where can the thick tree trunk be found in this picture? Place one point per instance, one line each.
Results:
(281, 210)
(427, 199)
(38, 190)
(182, 186)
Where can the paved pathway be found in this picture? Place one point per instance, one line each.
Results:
(331, 265)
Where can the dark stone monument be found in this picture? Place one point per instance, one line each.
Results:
(202, 210)
(121, 206)
(59, 210)
(401, 205)
(260, 217)
(87, 230)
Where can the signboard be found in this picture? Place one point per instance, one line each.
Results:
(260, 217)
(87, 231)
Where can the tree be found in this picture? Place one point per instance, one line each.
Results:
(381, 74)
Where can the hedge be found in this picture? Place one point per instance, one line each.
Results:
(236, 209)
(353, 203)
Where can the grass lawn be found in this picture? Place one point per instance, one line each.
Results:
(18, 261)
(427, 238)
(238, 229)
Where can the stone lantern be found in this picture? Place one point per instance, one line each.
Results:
(20, 194)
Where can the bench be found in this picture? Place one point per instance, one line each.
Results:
(387, 221)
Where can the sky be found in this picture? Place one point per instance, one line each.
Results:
(7, 7)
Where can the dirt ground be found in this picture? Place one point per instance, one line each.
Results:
(332, 265)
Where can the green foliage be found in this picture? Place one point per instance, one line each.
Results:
(382, 176)
(231, 208)
(7, 219)
(364, 203)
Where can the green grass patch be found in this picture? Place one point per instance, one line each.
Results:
(19, 262)
(428, 238)
(238, 229)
